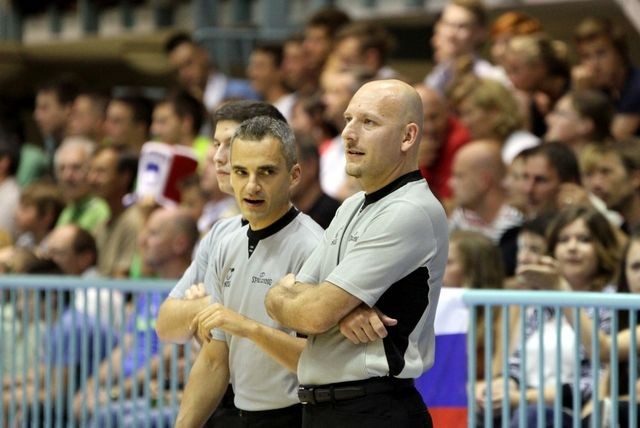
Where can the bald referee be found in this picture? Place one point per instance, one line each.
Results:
(386, 247)
(246, 347)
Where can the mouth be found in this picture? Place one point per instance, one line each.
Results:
(354, 152)
(253, 203)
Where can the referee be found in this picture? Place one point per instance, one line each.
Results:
(246, 347)
(386, 247)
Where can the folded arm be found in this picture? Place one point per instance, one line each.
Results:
(308, 308)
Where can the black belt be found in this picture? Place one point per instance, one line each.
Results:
(310, 394)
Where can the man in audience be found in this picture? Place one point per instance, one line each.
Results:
(293, 66)
(111, 176)
(443, 135)
(88, 115)
(612, 172)
(266, 75)
(167, 242)
(337, 89)
(128, 121)
(478, 193)
(460, 32)
(551, 179)
(72, 160)
(177, 120)
(54, 100)
(367, 46)
(308, 196)
(605, 64)
(319, 33)
(197, 75)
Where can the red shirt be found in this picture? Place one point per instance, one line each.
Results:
(438, 174)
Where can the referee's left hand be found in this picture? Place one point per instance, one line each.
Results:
(218, 316)
(365, 324)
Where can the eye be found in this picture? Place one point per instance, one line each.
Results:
(239, 172)
(216, 144)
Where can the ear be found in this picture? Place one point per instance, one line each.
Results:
(296, 173)
(410, 137)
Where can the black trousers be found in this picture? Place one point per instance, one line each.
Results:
(402, 408)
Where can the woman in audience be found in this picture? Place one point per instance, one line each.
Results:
(538, 67)
(628, 282)
(584, 250)
(475, 262)
(489, 111)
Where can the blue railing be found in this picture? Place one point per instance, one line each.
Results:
(57, 333)
(499, 303)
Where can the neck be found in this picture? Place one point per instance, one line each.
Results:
(378, 182)
(490, 206)
(305, 198)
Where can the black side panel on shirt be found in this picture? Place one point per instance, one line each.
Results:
(406, 301)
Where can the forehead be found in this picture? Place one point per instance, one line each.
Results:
(72, 153)
(182, 52)
(256, 153)
(539, 164)
(457, 14)
(164, 108)
(372, 99)
(61, 237)
(225, 129)
(576, 226)
(106, 157)
(118, 108)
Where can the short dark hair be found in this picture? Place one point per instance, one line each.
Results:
(186, 105)
(371, 36)
(275, 50)
(65, 87)
(260, 127)
(597, 107)
(331, 18)
(141, 107)
(561, 158)
(127, 162)
(239, 111)
(176, 40)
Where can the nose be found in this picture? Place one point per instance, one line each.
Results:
(253, 185)
(348, 133)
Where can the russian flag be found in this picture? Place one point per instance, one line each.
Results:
(443, 386)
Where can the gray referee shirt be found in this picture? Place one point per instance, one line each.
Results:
(246, 264)
(197, 270)
(388, 249)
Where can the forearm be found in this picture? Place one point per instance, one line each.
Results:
(175, 317)
(207, 383)
(280, 346)
(301, 308)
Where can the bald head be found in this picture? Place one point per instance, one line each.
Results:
(383, 127)
(401, 95)
(483, 155)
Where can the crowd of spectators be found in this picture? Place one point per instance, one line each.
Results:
(523, 137)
